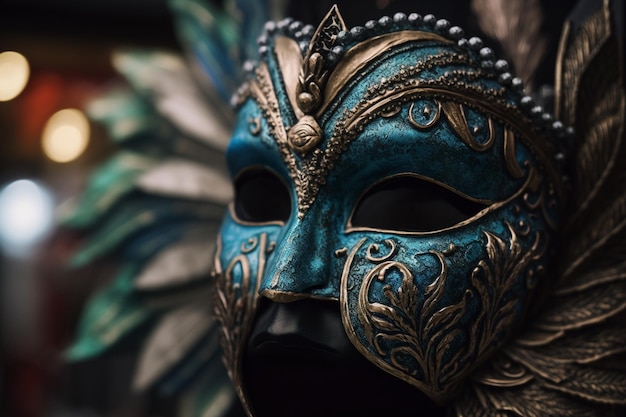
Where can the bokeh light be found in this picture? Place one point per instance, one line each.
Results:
(14, 73)
(26, 216)
(66, 135)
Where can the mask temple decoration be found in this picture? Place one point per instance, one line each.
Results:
(423, 191)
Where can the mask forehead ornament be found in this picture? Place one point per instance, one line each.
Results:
(331, 65)
(335, 112)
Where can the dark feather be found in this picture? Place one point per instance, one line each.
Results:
(582, 309)
(594, 384)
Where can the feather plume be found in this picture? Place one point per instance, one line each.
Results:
(516, 25)
(583, 309)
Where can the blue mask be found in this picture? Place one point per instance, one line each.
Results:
(396, 169)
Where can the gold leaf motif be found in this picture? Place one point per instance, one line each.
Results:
(236, 304)
(596, 384)
(456, 117)
(403, 329)
(314, 74)
(386, 99)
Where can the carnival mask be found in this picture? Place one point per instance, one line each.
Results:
(398, 169)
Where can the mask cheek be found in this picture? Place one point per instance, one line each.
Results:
(427, 311)
(239, 266)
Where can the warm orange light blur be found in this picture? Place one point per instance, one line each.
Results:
(14, 73)
(66, 135)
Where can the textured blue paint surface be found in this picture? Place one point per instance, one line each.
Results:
(465, 263)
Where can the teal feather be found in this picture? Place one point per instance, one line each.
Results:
(113, 315)
(211, 38)
(106, 187)
(167, 109)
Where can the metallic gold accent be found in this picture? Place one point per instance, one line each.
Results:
(558, 76)
(310, 172)
(402, 88)
(314, 72)
(235, 306)
(304, 135)
(312, 77)
(358, 57)
(374, 249)
(590, 279)
(290, 62)
(456, 117)
(593, 99)
(575, 59)
(262, 91)
(579, 310)
(509, 154)
(529, 400)
(288, 297)
(423, 330)
(517, 27)
(430, 123)
(538, 337)
(501, 371)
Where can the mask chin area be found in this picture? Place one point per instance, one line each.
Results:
(298, 361)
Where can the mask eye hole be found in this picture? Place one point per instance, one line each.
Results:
(261, 197)
(411, 204)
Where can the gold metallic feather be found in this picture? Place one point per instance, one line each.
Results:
(589, 346)
(583, 309)
(589, 236)
(594, 384)
(601, 275)
(571, 359)
(516, 25)
(573, 60)
(530, 400)
(590, 97)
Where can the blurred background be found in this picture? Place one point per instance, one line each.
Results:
(54, 56)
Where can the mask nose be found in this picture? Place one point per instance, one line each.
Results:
(302, 265)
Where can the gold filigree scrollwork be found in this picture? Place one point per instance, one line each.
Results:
(310, 83)
(426, 111)
(405, 327)
(236, 303)
(314, 92)
(510, 154)
(314, 72)
(455, 114)
(306, 133)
